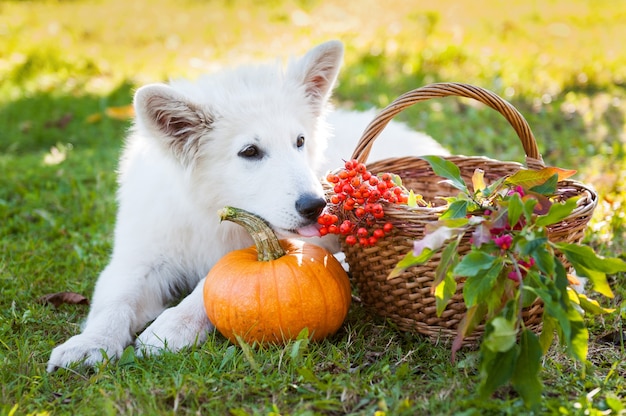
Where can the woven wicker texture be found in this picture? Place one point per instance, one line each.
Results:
(407, 300)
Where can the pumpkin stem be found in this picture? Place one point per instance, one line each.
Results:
(265, 240)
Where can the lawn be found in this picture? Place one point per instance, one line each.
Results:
(67, 73)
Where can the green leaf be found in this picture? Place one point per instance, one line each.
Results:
(544, 260)
(410, 260)
(479, 287)
(247, 353)
(128, 357)
(495, 185)
(396, 179)
(598, 279)
(473, 263)
(525, 378)
(548, 187)
(546, 338)
(531, 243)
(448, 170)
(496, 369)
(452, 222)
(587, 263)
(457, 209)
(502, 336)
(444, 291)
(529, 206)
(586, 257)
(557, 213)
(449, 258)
(515, 209)
(578, 343)
(591, 306)
(554, 309)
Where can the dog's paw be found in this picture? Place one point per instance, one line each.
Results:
(172, 331)
(86, 350)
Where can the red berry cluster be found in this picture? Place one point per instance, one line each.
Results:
(357, 200)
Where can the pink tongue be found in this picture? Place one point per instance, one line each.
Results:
(309, 231)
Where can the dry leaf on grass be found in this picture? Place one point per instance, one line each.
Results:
(57, 299)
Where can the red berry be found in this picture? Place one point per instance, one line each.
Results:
(345, 227)
(362, 232)
(332, 178)
(348, 189)
(351, 240)
(388, 227)
(378, 233)
(374, 196)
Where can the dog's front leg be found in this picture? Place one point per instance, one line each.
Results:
(122, 304)
(181, 326)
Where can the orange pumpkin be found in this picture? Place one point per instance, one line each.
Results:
(270, 292)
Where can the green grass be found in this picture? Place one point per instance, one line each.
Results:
(561, 64)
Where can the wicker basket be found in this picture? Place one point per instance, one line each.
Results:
(407, 300)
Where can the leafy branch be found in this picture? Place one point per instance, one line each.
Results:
(512, 264)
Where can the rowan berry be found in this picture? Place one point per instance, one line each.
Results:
(332, 178)
(357, 200)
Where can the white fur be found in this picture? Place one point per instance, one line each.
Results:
(183, 162)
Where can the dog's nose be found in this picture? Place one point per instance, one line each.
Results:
(310, 206)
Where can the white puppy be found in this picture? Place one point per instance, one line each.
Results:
(251, 137)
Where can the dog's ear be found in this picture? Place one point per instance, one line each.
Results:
(317, 71)
(168, 115)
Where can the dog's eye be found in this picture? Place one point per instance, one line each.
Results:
(250, 152)
(300, 141)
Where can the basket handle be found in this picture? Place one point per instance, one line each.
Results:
(446, 89)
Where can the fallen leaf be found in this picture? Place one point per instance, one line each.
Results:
(121, 113)
(57, 299)
(61, 122)
(94, 118)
